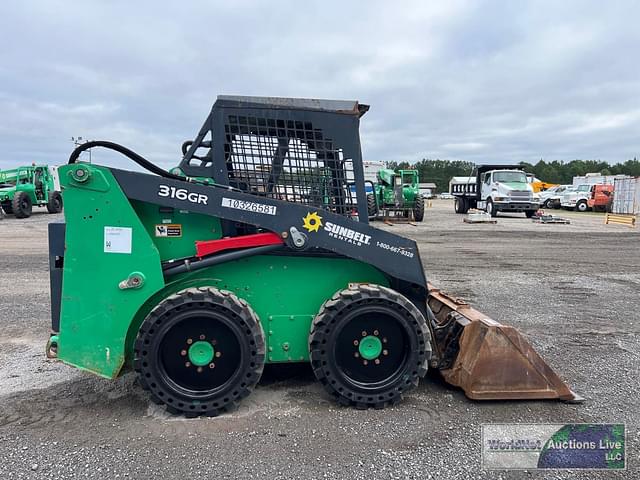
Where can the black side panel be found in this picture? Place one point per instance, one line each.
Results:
(56, 259)
(396, 256)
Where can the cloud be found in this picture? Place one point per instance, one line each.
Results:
(481, 81)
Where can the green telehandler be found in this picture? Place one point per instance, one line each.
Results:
(257, 249)
(23, 188)
(396, 191)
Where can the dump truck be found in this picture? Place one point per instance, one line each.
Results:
(23, 188)
(496, 188)
(251, 252)
(396, 191)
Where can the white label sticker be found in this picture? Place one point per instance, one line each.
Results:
(117, 239)
(249, 206)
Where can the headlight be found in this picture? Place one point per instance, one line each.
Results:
(499, 199)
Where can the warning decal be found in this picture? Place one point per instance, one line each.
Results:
(169, 230)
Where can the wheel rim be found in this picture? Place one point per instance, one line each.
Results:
(371, 349)
(199, 353)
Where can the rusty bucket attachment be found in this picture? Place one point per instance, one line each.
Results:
(489, 361)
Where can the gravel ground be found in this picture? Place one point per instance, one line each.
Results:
(571, 289)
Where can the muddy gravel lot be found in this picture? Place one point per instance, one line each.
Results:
(572, 290)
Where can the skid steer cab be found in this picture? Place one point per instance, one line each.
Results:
(256, 249)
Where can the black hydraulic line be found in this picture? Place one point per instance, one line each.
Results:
(188, 143)
(140, 160)
(188, 266)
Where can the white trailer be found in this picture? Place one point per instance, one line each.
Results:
(371, 169)
(596, 179)
(626, 196)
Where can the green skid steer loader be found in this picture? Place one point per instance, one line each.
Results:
(257, 249)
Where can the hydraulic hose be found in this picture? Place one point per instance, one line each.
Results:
(185, 146)
(189, 266)
(188, 143)
(140, 160)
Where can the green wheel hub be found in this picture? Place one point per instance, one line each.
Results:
(370, 347)
(201, 353)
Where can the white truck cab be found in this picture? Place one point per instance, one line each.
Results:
(497, 190)
(576, 198)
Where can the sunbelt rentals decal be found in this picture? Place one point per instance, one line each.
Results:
(312, 222)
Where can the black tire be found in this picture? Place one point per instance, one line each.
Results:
(547, 204)
(530, 213)
(335, 351)
(6, 207)
(222, 323)
(490, 208)
(21, 205)
(418, 209)
(372, 206)
(55, 203)
(582, 206)
(461, 205)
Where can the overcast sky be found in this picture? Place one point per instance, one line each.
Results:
(480, 81)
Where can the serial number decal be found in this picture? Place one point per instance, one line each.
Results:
(249, 206)
(398, 250)
(182, 194)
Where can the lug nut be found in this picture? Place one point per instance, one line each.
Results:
(187, 364)
(357, 355)
(183, 353)
(202, 336)
(377, 361)
(384, 340)
(356, 342)
(218, 354)
(212, 365)
(199, 369)
(385, 352)
(189, 341)
(364, 333)
(376, 333)
(364, 362)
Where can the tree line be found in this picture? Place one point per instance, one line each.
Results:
(556, 171)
